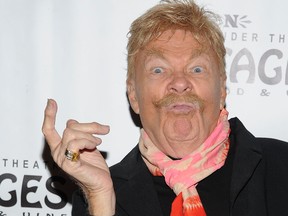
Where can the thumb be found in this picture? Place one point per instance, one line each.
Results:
(48, 128)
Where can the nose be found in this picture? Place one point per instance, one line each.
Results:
(180, 84)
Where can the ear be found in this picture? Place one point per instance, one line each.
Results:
(131, 93)
(223, 93)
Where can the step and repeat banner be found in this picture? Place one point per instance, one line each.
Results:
(75, 52)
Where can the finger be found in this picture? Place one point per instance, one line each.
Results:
(71, 134)
(48, 127)
(92, 128)
(81, 144)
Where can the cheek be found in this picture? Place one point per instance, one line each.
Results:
(212, 95)
(146, 97)
(143, 98)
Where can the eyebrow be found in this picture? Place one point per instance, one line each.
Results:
(159, 53)
(153, 52)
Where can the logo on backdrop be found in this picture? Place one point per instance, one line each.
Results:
(236, 21)
(254, 57)
(25, 186)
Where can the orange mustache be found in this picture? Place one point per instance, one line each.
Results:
(175, 98)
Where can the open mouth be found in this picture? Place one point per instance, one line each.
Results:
(181, 108)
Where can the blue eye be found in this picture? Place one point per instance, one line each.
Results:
(158, 70)
(197, 69)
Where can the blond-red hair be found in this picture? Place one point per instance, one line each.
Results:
(172, 15)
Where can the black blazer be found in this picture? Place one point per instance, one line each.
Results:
(259, 182)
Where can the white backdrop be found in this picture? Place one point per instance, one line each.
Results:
(75, 52)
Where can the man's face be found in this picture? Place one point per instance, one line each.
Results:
(178, 92)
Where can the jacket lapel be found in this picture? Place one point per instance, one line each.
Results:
(247, 156)
(136, 192)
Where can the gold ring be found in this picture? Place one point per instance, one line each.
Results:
(70, 155)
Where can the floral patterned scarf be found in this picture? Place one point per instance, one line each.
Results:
(184, 174)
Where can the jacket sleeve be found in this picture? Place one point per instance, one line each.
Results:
(79, 205)
(276, 178)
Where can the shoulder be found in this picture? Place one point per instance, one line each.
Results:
(271, 149)
(271, 145)
(275, 151)
(131, 167)
(127, 164)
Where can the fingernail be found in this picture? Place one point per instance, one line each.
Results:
(49, 103)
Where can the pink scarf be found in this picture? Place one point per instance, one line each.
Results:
(184, 174)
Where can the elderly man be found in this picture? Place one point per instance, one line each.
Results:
(190, 159)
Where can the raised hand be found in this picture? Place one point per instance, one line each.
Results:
(89, 169)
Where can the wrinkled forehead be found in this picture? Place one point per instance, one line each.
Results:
(177, 41)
